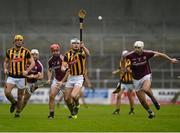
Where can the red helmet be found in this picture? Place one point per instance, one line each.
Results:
(54, 46)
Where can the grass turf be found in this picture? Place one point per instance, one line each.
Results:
(96, 118)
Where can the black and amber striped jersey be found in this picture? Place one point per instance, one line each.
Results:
(126, 78)
(18, 59)
(76, 61)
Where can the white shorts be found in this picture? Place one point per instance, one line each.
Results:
(126, 87)
(139, 83)
(54, 83)
(73, 81)
(19, 82)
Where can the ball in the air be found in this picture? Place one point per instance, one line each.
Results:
(99, 17)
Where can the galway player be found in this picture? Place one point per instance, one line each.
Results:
(33, 76)
(142, 73)
(55, 64)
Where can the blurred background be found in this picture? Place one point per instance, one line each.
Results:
(43, 22)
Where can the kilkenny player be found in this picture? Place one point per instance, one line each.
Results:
(76, 59)
(142, 73)
(125, 85)
(15, 66)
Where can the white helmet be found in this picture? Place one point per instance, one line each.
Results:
(139, 44)
(34, 51)
(124, 52)
(75, 40)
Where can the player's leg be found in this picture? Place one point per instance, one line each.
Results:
(68, 99)
(21, 85)
(52, 94)
(10, 84)
(147, 89)
(60, 98)
(130, 94)
(88, 81)
(27, 95)
(78, 83)
(21, 93)
(8, 93)
(81, 95)
(10, 97)
(138, 85)
(75, 96)
(26, 98)
(67, 95)
(141, 96)
(118, 102)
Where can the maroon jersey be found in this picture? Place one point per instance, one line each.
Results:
(140, 63)
(37, 68)
(55, 64)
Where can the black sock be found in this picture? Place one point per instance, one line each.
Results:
(118, 110)
(70, 106)
(154, 100)
(11, 99)
(76, 101)
(132, 109)
(18, 112)
(51, 113)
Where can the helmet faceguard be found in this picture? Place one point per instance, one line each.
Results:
(75, 43)
(75, 40)
(35, 54)
(34, 51)
(138, 46)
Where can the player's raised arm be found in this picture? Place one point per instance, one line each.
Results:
(86, 50)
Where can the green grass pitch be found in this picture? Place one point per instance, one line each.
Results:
(96, 118)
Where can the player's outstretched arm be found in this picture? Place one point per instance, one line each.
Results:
(115, 71)
(163, 55)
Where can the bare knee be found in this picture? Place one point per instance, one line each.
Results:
(51, 97)
(73, 95)
(7, 92)
(118, 96)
